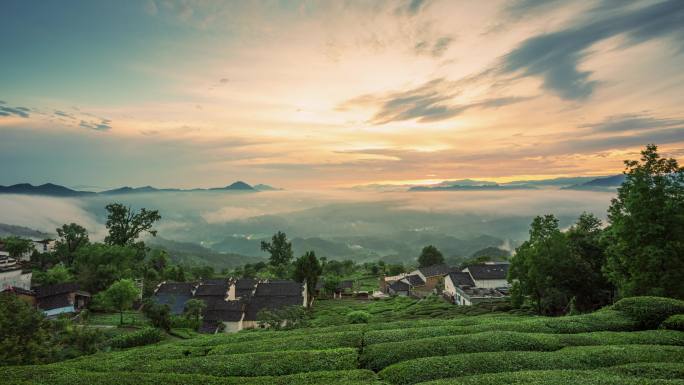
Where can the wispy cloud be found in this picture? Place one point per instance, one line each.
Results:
(436, 49)
(555, 57)
(634, 122)
(102, 125)
(430, 102)
(21, 112)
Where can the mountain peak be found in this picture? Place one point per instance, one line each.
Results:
(239, 185)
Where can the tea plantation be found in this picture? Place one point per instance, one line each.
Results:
(636, 341)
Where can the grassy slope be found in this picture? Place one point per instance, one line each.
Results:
(438, 344)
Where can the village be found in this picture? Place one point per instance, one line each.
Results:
(232, 304)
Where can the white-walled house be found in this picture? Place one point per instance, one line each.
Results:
(468, 296)
(489, 274)
(13, 275)
(455, 279)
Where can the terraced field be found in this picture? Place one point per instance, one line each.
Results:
(624, 344)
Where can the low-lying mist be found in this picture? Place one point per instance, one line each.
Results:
(336, 224)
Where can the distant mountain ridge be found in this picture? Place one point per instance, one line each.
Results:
(49, 189)
(54, 190)
(607, 183)
(600, 184)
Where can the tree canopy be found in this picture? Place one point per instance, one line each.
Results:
(429, 256)
(646, 232)
(307, 269)
(121, 295)
(126, 225)
(280, 250)
(71, 237)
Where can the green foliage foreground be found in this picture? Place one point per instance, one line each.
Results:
(583, 357)
(378, 356)
(606, 347)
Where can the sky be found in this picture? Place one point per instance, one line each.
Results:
(313, 94)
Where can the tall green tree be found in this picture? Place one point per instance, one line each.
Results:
(71, 237)
(280, 250)
(97, 265)
(307, 269)
(554, 269)
(429, 256)
(120, 296)
(24, 332)
(17, 247)
(589, 285)
(193, 309)
(534, 267)
(126, 225)
(158, 314)
(646, 231)
(57, 274)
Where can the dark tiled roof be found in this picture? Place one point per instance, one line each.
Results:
(54, 301)
(414, 280)
(18, 290)
(257, 304)
(279, 288)
(211, 289)
(399, 286)
(178, 288)
(175, 301)
(460, 278)
(52, 290)
(245, 283)
(224, 311)
(217, 281)
(431, 271)
(243, 293)
(489, 271)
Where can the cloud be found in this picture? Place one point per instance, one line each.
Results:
(633, 122)
(413, 7)
(437, 49)
(430, 102)
(103, 125)
(555, 56)
(22, 112)
(520, 8)
(46, 214)
(64, 114)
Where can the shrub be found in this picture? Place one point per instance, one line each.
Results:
(358, 317)
(550, 377)
(158, 314)
(674, 322)
(584, 357)
(664, 370)
(54, 375)
(649, 311)
(138, 338)
(605, 320)
(379, 356)
(314, 342)
(248, 364)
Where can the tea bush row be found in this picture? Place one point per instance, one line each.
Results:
(606, 320)
(248, 364)
(583, 357)
(552, 377)
(54, 375)
(378, 356)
